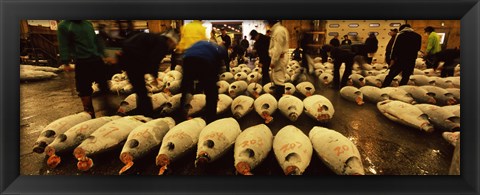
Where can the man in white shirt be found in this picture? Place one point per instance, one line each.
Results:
(278, 53)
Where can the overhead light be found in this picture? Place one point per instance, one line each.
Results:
(224, 25)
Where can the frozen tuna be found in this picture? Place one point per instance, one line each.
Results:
(177, 141)
(196, 104)
(254, 77)
(441, 119)
(306, 88)
(419, 94)
(405, 114)
(241, 106)
(373, 94)
(237, 88)
(265, 106)
(352, 94)
(289, 88)
(106, 138)
(442, 96)
(56, 128)
(216, 139)
(73, 137)
(251, 148)
(254, 90)
(319, 108)
(356, 80)
(227, 76)
(143, 139)
(128, 104)
(222, 87)
(171, 105)
(269, 88)
(291, 107)
(336, 151)
(224, 103)
(173, 87)
(455, 92)
(421, 80)
(293, 150)
(455, 109)
(240, 76)
(451, 137)
(397, 93)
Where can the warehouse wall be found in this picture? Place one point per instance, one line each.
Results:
(360, 30)
(451, 28)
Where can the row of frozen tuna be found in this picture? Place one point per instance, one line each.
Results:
(396, 104)
(315, 106)
(293, 149)
(406, 93)
(36, 73)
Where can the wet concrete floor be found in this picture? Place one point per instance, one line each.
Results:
(386, 148)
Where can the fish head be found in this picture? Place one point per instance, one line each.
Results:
(293, 116)
(359, 98)
(292, 170)
(39, 146)
(243, 168)
(202, 159)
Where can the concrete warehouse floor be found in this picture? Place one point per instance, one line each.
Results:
(386, 148)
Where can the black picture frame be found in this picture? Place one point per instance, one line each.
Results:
(12, 11)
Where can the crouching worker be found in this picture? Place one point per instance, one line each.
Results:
(202, 62)
(141, 54)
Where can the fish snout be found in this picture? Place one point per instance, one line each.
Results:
(39, 147)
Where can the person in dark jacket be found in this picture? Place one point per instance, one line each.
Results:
(334, 41)
(450, 57)
(404, 53)
(77, 41)
(371, 46)
(141, 54)
(340, 56)
(261, 45)
(346, 41)
(202, 62)
(388, 50)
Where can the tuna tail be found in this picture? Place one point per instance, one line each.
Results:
(163, 161)
(267, 117)
(243, 168)
(202, 159)
(292, 170)
(53, 160)
(84, 163)
(127, 159)
(359, 101)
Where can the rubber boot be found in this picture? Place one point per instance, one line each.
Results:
(279, 91)
(88, 105)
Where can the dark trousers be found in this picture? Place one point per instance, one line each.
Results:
(336, 72)
(206, 73)
(87, 71)
(136, 68)
(304, 60)
(265, 61)
(405, 67)
(448, 68)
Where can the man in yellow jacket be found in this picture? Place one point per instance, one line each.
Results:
(433, 46)
(189, 34)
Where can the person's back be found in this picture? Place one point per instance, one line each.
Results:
(78, 40)
(371, 44)
(406, 46)
(205, 50)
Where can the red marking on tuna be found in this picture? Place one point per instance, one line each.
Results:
(290, 146)
(83, 128)
(341, 150)
(113, 129)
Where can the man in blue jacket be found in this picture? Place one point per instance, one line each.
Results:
(202, 62)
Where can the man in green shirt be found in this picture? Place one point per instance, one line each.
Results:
(77, 41)
(433, 46)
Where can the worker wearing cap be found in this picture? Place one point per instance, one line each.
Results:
(142, 54)
(278, 50)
